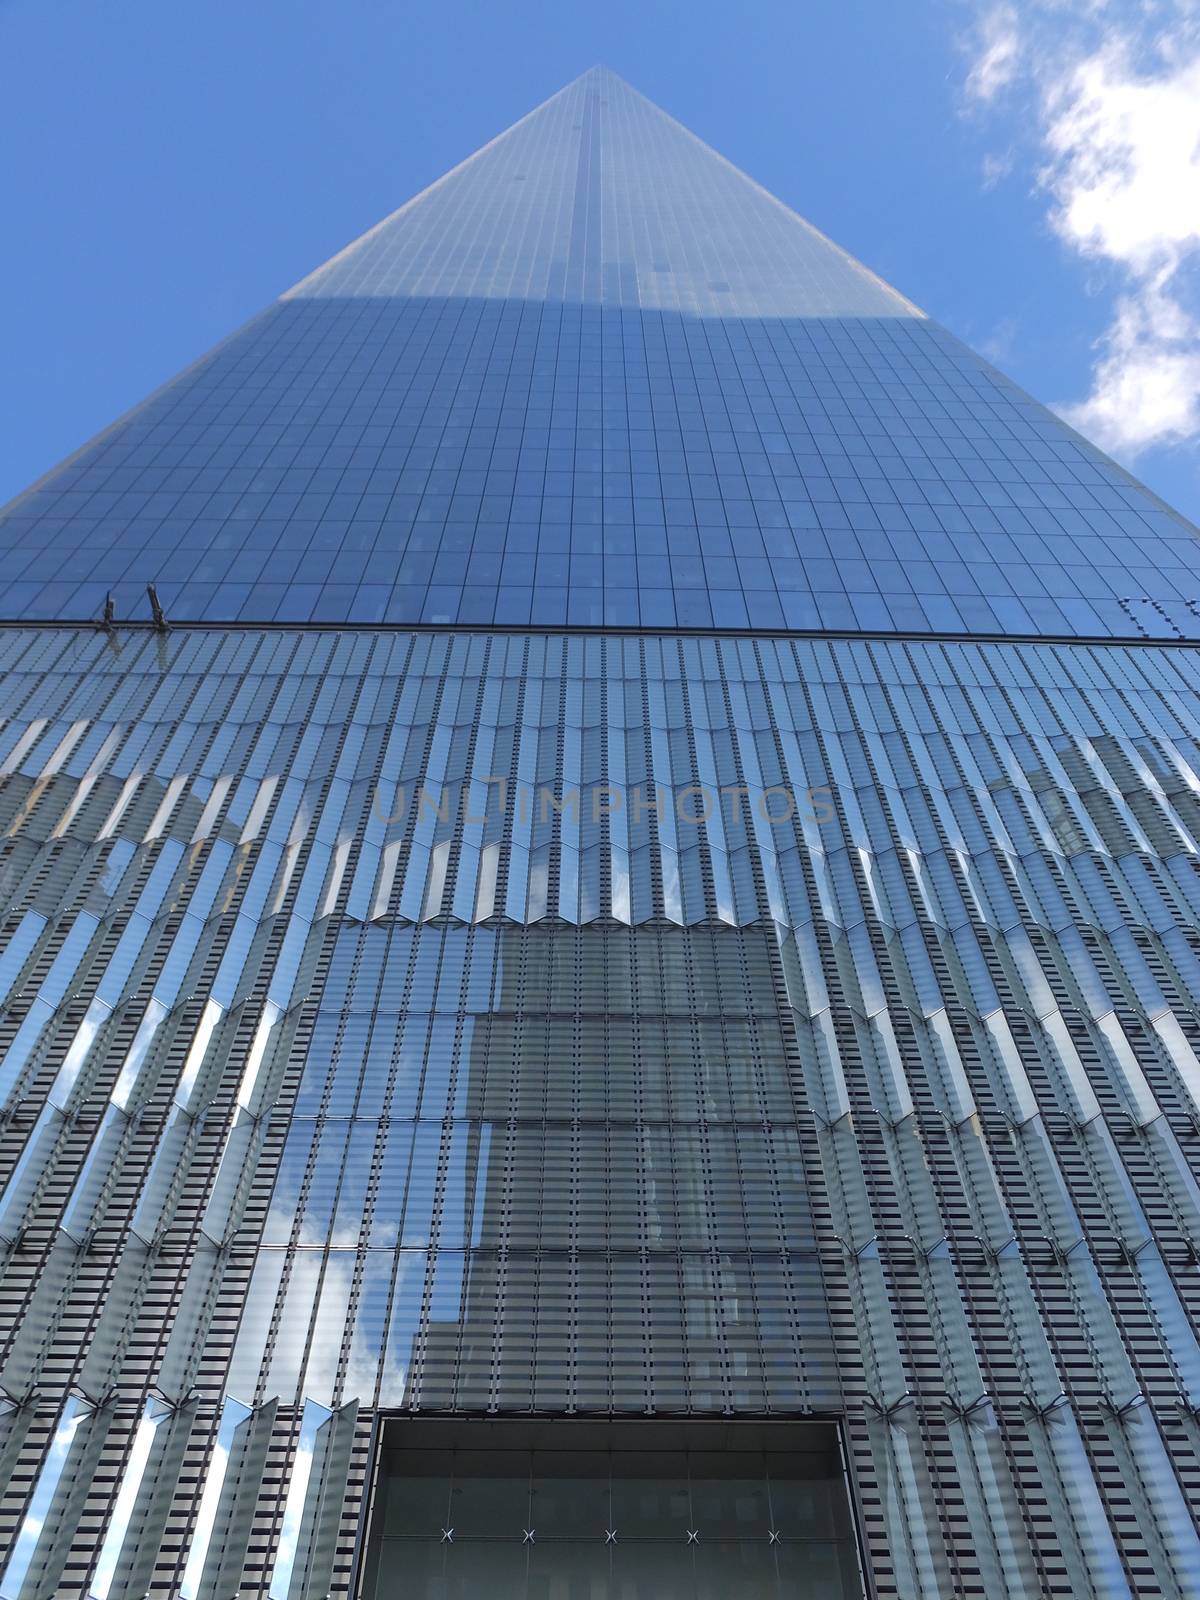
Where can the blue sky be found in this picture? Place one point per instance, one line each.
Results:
(1026, 172)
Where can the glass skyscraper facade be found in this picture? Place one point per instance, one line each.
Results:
(600, 991)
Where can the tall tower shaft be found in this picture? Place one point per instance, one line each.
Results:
(637, 873)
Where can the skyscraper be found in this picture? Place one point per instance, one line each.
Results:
(601, 938)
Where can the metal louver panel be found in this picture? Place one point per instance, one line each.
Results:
(699, 1099)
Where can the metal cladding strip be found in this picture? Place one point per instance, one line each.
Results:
(240, 1148)
(1066, 1054)
(55, 1496)
(156, 1444)
(282, 993)
(308, 1527)
(181, 951)
(72, 1079)
(217, 1548)
(991, 961)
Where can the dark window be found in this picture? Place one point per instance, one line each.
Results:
(513, 1510)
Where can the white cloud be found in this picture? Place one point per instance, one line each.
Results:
(997, 53)
(1124, 149)
(1114, 97)
(998, 345)
(1146, 384)
(997, 167)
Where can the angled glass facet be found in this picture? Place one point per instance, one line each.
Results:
(596, 376)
